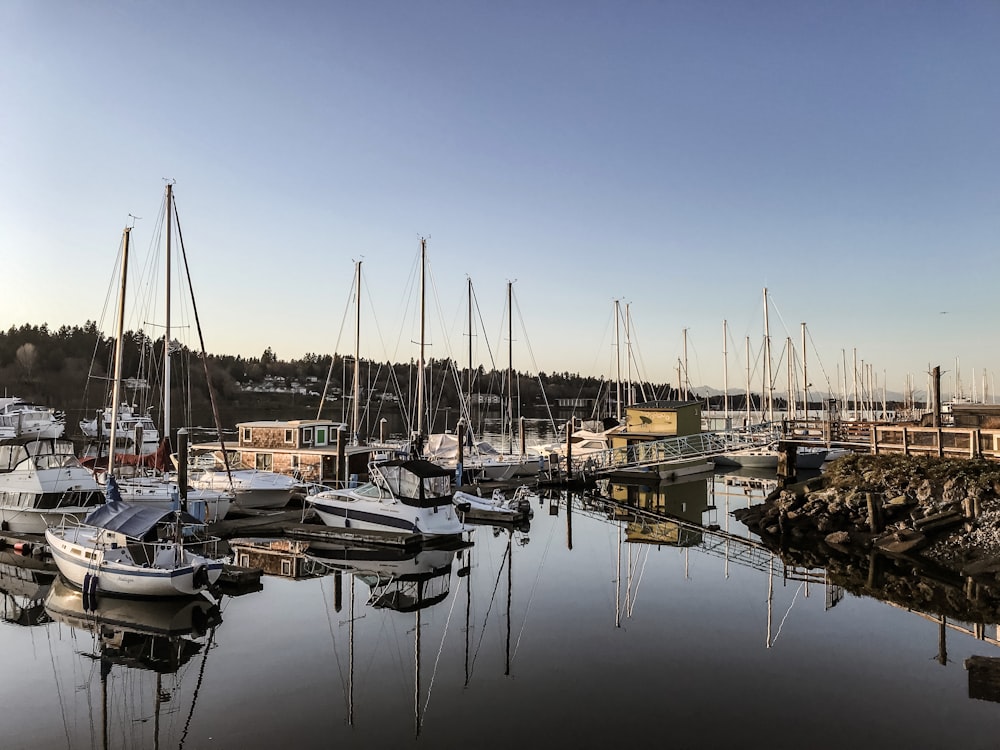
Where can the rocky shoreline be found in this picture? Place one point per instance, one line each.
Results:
(943, 514)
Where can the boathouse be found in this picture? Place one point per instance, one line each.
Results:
(309, 449)
(654, 420)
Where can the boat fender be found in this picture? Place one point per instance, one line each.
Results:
(464, 571)
(22, 548)
(89, 592)
(464, 506)
(200, 577)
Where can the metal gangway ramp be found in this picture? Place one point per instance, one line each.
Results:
(669, 450)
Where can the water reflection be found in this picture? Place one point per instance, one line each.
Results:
(653, 586)
(139, 649)
(24, 582)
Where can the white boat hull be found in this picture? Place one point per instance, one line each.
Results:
(85, 563)
(35, 520)
(252, 490)
(155, 492)
(338, 508)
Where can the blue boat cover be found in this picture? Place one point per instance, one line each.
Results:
(131, 520)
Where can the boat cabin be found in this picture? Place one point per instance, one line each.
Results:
(307, 449)
(655, 420)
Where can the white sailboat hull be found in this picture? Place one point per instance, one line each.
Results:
(86, 562)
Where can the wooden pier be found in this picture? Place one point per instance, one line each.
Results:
(889, 437)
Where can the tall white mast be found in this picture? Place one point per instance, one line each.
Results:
(805, 377)
(166, 334)
(855, 369)
(748, 381)
(767, 364)
(725, 372)
(618, 366)
(119, 337)
(789, 367)
(510, 364)
(628, 355)
(687, 380)
(420, 360)
(357, 355)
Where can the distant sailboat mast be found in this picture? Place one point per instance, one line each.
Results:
(725, 372)
(119, 337)
(768, 379)
(356, 420)
(618, 365)
(748, 382)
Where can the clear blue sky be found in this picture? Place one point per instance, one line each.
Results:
(677, 156)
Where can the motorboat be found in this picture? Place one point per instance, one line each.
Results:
(408, 496)
(519, 503)
(25, 419)
(766, 457)
(125, 549)
(252, 489)
(135, 431)
(41, 482)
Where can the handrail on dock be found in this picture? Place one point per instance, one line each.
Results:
(671, 449)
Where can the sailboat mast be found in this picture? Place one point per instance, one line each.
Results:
(119, 336)
(618, 367)
(629, 395)
(510, 366)
(166, 328)
(767, 364)
(725, 371)
(468, 385)
(687, 381)
(805, 377)
(357, 356)
(420, 360)
(748, 382)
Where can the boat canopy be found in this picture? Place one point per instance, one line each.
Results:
(415, 481)
(132, 520)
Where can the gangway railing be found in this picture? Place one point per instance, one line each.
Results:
(673, 449)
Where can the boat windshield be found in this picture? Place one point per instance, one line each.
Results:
(47, 454)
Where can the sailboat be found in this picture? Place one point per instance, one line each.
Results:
(411, 495)
(156, 488)
(125, 549)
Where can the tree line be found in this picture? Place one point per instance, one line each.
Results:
(70, 368)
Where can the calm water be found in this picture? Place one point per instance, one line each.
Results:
(595, 628)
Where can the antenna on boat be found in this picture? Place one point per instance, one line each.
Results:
(134, 219)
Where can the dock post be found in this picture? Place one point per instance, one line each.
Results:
(182, 465)
(342, 455)
(787, 463)
(874, 512)
(459, 465)
(569, 450)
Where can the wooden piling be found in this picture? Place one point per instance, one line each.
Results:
(875, 521)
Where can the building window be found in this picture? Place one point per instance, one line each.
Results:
(247, 435)
(295, 461)
(307, 435)
(289, 436)
(320, 436)
(265, 462)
